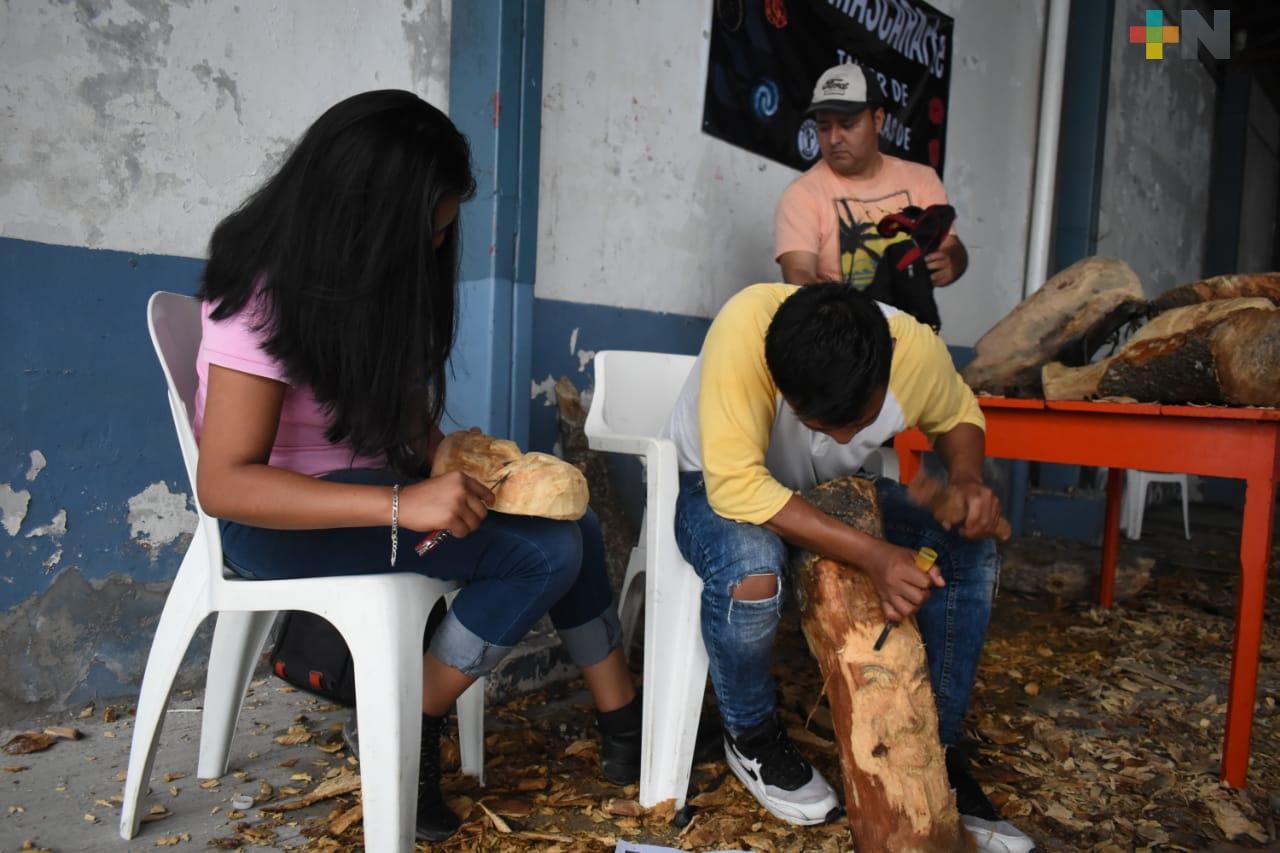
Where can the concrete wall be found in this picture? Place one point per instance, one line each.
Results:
(991, 145)
(647, 223)
(641, 210)
(1262, 181)
(1155, 182)
(138, 125)
(134, 126)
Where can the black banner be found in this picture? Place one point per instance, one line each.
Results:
(766, 56)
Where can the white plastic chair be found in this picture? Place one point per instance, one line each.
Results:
(1134, 503)
(634, 395)
(382, 617)
(884, 462)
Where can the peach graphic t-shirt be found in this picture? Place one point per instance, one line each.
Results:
(835, 217)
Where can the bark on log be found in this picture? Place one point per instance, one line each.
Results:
(1265, 285)
(618, 531)
(1064, 321)
(886, 723)
(1224, 352)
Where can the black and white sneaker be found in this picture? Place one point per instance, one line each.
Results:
(990, 833)
(771, 767)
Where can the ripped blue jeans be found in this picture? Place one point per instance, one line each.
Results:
(739, 635)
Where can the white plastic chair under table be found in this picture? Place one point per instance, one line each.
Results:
(634, 395)
(1135, 499)
(382, 617)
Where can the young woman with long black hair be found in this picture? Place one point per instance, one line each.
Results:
(329, 308)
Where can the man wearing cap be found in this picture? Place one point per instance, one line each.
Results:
(825, 223)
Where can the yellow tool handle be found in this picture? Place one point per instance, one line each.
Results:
(925, 558)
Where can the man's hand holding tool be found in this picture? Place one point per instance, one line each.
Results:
(924, 559)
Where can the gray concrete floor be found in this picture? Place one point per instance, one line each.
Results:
(67, 798)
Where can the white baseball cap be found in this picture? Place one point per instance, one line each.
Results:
(844, 88)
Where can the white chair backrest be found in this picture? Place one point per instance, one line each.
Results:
(174, 322)
(641, 389)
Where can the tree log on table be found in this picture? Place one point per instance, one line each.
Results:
(1066, 321)
(1223, 352)
(882, 706)
(1266, 285)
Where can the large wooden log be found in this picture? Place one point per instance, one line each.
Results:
(882, 706)
(1266, 285)
(1223, 352)
(1065, 321)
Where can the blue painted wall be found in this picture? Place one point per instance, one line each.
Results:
(80, 384)
(598, 327)
(495, 98)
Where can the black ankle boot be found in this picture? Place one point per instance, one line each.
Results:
(620, 742)
(435, 821)
(970, 799)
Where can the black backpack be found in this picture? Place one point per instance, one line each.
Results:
(309, 653)
(902, 279)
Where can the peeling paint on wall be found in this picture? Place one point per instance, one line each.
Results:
(38, 463)
(584, 356)
(170, 113)
(222, 82)
(546, 389)
(14, 506)
(78, 640)
(54, 530)
(158, 516)
(425, 25)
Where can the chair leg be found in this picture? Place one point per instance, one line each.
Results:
(631, 598)
(1186, 509)
(1139, 510)
(471, 730)
(675, 679)
(237, 644)
(1126, 500)
(387, 652)
(888, 463)
(184, 610)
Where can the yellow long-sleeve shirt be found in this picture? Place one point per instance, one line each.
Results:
(732, 424)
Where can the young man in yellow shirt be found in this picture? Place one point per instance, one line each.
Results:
(796, 386)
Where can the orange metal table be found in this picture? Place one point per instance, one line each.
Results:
(1215, 442)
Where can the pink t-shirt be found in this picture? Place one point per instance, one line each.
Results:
(300, 439)
(835, 217)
